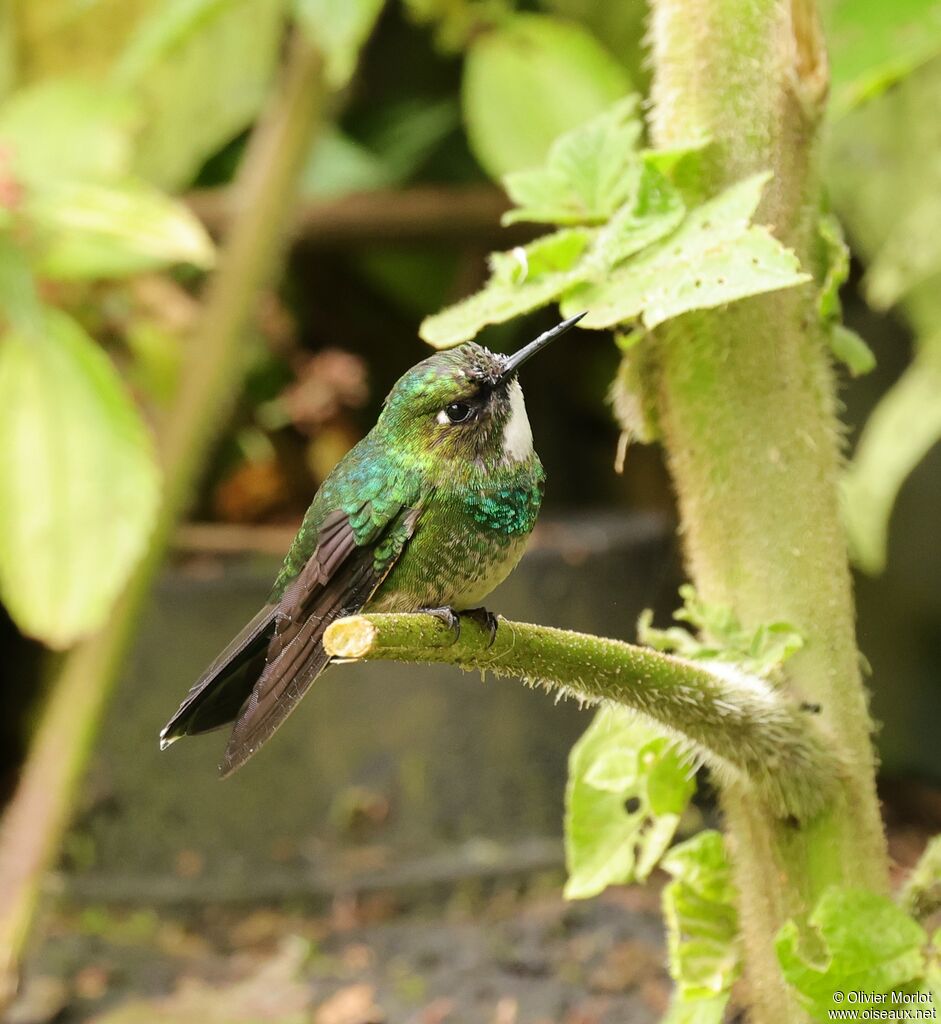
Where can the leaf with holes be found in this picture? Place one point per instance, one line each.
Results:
(713, 258)
(628, 785)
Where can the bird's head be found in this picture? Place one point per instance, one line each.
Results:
(465, 403)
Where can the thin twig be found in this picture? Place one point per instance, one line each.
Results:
(418, 213)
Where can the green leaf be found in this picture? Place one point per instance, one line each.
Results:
(654, 210)
(628, 785)
(523, 279)
(86, 230)
(863, 942)
(911, 252)
(847, 346)
(874, 44)
(530, 80)
(202, 69)
(78, 482)
(85, 132)
(697, 1011)
(338, 28)
(713, 258)
(902, 428)
(158, 35)
(702, 922)
(588, 174)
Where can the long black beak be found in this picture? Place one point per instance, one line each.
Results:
(515, 361)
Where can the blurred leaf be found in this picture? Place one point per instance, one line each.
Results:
(715, 257)
(65, 129)
(884, 165)
(851, 350)
(628, 785)
(339, 28)
(168, 26)
(456, 22)
(78, 482)
(904, 426)
(158, 358)
(65, 37)
(202, 69)
(19, 299)
(338, 165)
(88, 230)
(523, 279)
(864, 942)
(409, 132)
(621, 26)
(911, 252)
(873, 44)
(846, 345)
(530, 80)
(702, 922)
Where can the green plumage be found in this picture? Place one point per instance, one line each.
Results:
(432, 509)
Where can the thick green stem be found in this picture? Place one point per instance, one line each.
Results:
(38, 813)
(746, 406)
(738, 724)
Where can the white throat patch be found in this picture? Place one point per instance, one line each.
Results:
(517, 434)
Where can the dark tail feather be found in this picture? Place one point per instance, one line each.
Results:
(223, 688)
(291, 672)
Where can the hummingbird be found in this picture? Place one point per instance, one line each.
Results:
(428, 512)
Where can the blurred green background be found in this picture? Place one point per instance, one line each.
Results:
(124, 126)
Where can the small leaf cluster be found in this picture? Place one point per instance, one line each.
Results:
(717, 634)
(629, 249)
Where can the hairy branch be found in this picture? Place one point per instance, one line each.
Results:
(738, 724)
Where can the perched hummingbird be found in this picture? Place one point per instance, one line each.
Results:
(429, 512)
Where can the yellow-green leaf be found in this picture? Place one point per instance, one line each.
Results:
(714, 257)
(78, 481)
(85, 230)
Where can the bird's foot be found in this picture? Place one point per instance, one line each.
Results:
(485, 619)
(448, 616)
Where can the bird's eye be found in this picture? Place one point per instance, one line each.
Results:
(458, 412)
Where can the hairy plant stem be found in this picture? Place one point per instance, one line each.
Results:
(38, 813)
(746, 407)
(738, 724)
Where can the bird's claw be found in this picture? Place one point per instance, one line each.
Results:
(486, 620)
(448, 616)
(452, 619)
